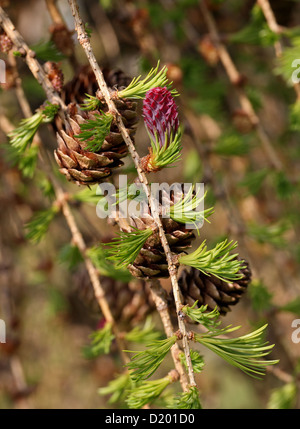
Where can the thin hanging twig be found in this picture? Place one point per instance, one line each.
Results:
(235, 77)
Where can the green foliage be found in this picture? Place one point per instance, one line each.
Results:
(217, 261)
(28, 161)
(91, 103)
(22, 136)
(192, 171)
(145, 334)
(245, 352)
(94, 131)
(187, 400)
(261, 298)
(47, 51)
(197, 361)
(295, 116)
(125, 248)
(143, 364)
(130, 192)
(253, 180)
(99, 257)
(169, 153)
(272, 234)
(284, 397)
(284, 62)
(147, 392)
(292, 306)
(100, 342)
(87, 195)
(70, 255)
(88, 30)
(184, 210)
(138, 88)
(257, 32)
(200, 315)
(117, 388)
(284, 187)
(232, 144)
(46, 187)
(39, 224)
(206, 94)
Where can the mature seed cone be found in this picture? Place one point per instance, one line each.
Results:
(76, 162)
(84, 82)
(211, 291)
(129, 302)
(151, 261)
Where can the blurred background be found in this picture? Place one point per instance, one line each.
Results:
(241, 115)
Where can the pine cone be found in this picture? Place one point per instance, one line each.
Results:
(211, 291)
(151, 261)
(85, 82)
(161, 119)
(76, 162)
(129, 302)
(62, 38)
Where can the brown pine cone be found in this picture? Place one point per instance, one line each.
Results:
(81, 165)
(62, 38)
(76, 162)
(211, 291)
(85, 83)
(151, 261)
(129, 302)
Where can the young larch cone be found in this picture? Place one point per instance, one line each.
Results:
(161, 119)
(151, 261)
(55, 75)
(210, 290)
(6, 43)
(76, 161)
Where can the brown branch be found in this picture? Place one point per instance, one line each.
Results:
(158, 294)
(64, 34)
(85, 42)
(235, 78)
(29, 56)
(54, 12)
(273, 25)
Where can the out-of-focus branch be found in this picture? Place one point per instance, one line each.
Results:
(29, 56)
(61, 35)
(158, 294)
(235, 78)
(273, 25)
